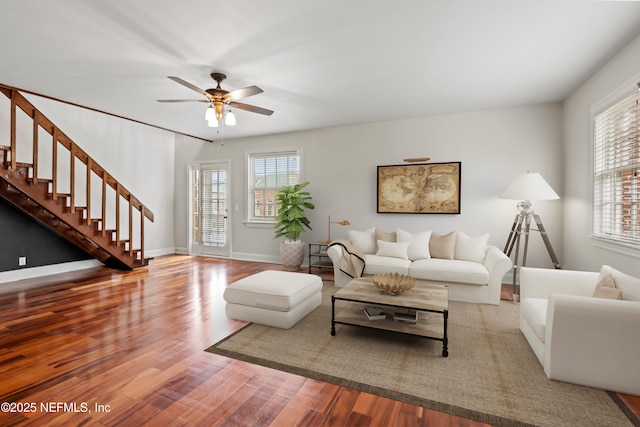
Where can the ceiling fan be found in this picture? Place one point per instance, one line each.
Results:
(219, 97)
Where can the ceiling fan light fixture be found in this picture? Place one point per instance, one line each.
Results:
(229, 118)
(217, 99)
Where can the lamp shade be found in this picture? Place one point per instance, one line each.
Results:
(210, 113)
(530, 186)
(229, 118)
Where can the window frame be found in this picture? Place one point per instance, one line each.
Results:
(267, 222)
(609, 234)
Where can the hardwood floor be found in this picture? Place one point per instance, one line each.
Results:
(105, 347)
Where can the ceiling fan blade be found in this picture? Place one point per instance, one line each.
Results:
(183, 100)
(243, 93)
(189, 85)
(251, 108)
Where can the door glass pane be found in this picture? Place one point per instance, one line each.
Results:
(195, 211)
(213, 208)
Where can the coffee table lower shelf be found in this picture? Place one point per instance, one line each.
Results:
(430, 324)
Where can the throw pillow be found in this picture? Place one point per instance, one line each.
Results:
(628, 285)
(365, 241)
(606, 288)
(471, 248)
(393, 249)
(387, 237)
(418, 243)
(442, 246)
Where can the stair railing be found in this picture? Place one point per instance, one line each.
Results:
(59, 139)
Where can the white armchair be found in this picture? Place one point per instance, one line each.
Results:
(578, 338)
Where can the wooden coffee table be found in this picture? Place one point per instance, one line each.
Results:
(429, 300)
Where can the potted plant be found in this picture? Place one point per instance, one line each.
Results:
(291, 221)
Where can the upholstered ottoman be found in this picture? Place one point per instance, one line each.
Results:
(273, 298)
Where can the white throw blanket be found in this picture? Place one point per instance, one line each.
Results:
(352, 260)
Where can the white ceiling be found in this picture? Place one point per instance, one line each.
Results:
(320, 63)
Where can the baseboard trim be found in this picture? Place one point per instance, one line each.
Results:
(46, 270)
(160, 252)
(244, 256)
(240, 256)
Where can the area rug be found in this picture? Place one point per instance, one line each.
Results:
(491, 374)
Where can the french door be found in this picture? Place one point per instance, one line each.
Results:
(209, 209)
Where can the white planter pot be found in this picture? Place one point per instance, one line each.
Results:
(292, 254)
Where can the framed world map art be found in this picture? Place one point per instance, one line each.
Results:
(425, 188)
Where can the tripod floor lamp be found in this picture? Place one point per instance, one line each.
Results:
(526, 187)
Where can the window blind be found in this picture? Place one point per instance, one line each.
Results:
(268, 173)
(213, 209)
(616, 195)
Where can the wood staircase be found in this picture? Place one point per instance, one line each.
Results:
(69, 192)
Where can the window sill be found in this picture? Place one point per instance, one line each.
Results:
(619, 247)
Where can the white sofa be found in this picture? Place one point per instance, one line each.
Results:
(577, 337)
(472, 269)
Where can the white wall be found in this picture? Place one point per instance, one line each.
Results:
(580, 251)
(186, 150)
(140, 157)
(493, 146)
(340, 163)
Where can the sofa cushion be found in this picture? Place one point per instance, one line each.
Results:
(418, 243)
(606, 288)
(471, 248)
(365, 241)
(393, 249)
(445, 270)
(375, 264)
(534, 312)
(629, 285)
(442, 246)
